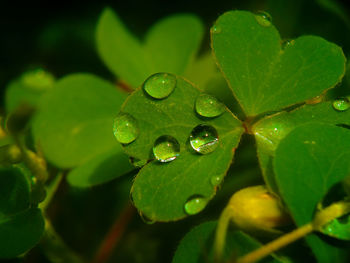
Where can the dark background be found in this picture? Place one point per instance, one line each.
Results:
(59, 36)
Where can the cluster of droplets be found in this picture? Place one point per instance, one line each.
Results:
(203, 138)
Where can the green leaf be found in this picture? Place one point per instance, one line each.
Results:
(308, 162)
(28, 89)
(122, 53)
(161, 190)
(338, 228)
(263, 75)
(169, 46)
(197, 245)
(173, 42)
(100, 169)
(75, 120)
(20, 232)
(270, 130)
(14, 191)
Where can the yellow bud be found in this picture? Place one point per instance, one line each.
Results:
(254, 209)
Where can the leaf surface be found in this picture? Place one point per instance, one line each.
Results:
(20, 232)
(263, 75)
(75, 120)
(308, 162)
(169, 46)
(100, 169)
(270, 130)
(161, 190)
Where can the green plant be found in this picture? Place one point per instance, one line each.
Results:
(181, 138)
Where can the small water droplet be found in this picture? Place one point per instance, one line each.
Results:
(341, 104)
(216, 180)
(195, 204)
(160, 85)
(146, 219)
(166, 148)
(137, 162)
(204, 139)
(209, 106)
(216, 29)
(263, 18)
(287, 43)
(125, 128)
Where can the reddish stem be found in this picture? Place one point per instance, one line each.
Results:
(114, 235)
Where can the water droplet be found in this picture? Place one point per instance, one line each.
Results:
(38, 79)
(160, 85)
(204, 139)
(209, 106)
(125, 128)
(341, 104)
(216, 180)
(216, 29)
(166, 148)
(195, 204)
(287, 43)
(264, 18)
(146, 219)
(137, 162)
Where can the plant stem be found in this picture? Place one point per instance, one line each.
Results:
(51, 191)
(220, 235)
(114, 235)
(276, 244)
(32, 161)
(54, 247)
(321, 218)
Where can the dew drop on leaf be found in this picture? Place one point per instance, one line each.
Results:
(195, 204)
(160, 85)
(216, 180)
(125, 128)
(137, 162)
(341, 104)
(146, 219)
(204, 139)
(209, 106)
(216, 29)
(166, 148)
(264, 18)
(287, 43)
(338, 228)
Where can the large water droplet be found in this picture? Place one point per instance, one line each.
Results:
(216, 180)
(216, 29)
(204, 139)
(195, 204)
(125, 128)
(160, 85)
(209, 106)
(264, 18)
(341, 104)
(166, 148)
